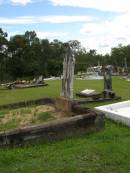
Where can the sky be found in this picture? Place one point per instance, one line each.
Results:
(97, 24)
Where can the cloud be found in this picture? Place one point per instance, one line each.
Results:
(16, 2)
(1, 2)
(103, 5)
(44, 19)
(20, 2)
(42, 35)
(104, 35)
(51, 34)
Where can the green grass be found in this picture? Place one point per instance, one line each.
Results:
(107, 151)
(3, 113)
(8, 126)
(53, 90)
(44, 116)
(25, 111)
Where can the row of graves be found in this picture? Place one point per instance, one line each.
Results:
(22, 84)
(69, 118)
(97, 72)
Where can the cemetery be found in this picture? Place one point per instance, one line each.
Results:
(111, 137)
(70, 117)
(114, 136)
(67, 109)
(64, 86)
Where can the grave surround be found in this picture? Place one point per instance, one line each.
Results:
(119, 112)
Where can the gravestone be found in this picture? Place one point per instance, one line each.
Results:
(125, 66)
(108, 93)
(68, 74)
(108, 78)
(64, 102)
(39, 80)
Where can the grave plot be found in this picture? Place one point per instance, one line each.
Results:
(119, 112)
(28, 116)
(47, 122)
(23, 84)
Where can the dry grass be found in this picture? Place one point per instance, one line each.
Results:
(27, 116)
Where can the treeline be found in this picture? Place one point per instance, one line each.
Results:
(27, 56)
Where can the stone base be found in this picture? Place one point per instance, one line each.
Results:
(109, 94)
(63, 104)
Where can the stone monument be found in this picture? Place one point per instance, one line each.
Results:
(64, 102)
(108, 78)
(108, 93)
(68, 74)
(125, 66)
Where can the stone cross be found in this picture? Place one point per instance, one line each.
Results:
(108, 78)
(68, 74)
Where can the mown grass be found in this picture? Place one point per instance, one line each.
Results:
(107, 151)
(53, 90)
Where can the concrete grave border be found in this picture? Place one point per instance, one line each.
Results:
(85, 121)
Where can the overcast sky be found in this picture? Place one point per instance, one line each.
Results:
(97, 24)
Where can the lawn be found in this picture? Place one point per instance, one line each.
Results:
(107, 151)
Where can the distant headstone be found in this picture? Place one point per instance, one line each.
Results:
(39, 80)
(68, 74)
(108, 78)
(125, 66)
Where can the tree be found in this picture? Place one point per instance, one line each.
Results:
(3, 54)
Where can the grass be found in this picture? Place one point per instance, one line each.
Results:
(3, 113)
(23, 117)
(45, 116)
(8, 126)
(107, 151)
(53, 90)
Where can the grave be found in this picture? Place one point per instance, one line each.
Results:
(106, 95)
(119, 112)
(22, 84)
(74, 119)
(93, 73)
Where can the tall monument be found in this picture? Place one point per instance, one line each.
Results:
(68, 74)
(108, 78)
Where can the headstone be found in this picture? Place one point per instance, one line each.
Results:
(125, 66)
(108, 93)
(108, 78)
(68, 74)
(39, 80)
